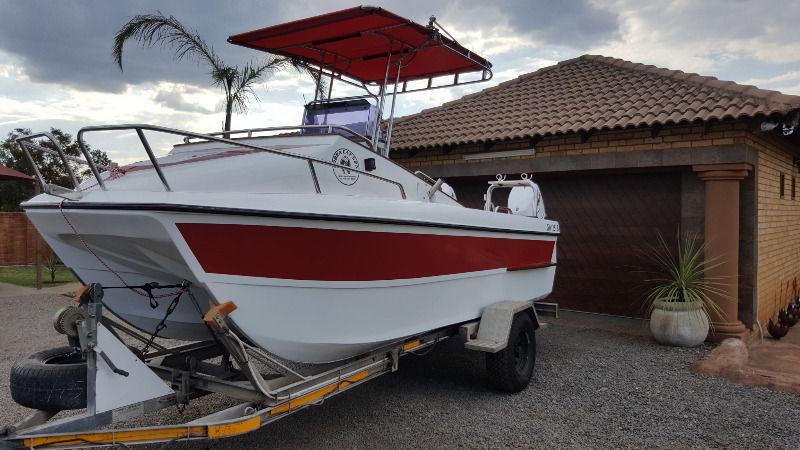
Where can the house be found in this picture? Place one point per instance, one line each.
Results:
(624, 152)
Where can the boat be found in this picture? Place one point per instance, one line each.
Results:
(328, 248)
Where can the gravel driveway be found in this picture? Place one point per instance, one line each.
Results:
(594, 387)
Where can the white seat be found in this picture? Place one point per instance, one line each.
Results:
(526, 201)
(447, 189)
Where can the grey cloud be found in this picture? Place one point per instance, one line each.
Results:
(721, 19)
(174, 99)
(578, 23)
(70, 42)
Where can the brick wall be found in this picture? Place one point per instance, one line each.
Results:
(17, 240)
(778, 234)
(723, 133)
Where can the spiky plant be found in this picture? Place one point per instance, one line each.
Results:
(680, 275)
(236, 82)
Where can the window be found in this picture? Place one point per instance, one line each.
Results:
(782, 183)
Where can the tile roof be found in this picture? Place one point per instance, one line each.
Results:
(583, 94)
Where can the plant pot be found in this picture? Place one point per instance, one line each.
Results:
(680, 324)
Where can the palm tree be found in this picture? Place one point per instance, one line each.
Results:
(236, 82)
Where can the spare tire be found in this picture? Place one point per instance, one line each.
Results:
(51, 380)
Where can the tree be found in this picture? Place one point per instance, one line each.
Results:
(50, 166)
(236, 82)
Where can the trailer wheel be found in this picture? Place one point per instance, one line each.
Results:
(510, 369)
(51, 380)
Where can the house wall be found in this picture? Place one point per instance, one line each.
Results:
(17, 240)
(778, 225)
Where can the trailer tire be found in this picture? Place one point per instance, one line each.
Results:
(50, 380)
(511, 369)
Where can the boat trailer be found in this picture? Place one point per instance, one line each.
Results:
(123, 383)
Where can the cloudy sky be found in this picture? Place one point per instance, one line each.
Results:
(56, 67)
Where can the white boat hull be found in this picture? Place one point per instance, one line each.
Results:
(309, 287)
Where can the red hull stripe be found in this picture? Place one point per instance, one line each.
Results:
(346, 255)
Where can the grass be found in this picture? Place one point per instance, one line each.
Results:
(26, 276)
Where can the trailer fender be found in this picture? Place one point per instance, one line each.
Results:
(495, 325)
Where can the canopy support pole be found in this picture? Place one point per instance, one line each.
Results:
(391, 112)
(375, 135)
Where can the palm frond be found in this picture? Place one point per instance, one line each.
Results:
(151, 29)
(321, 82)
(246, 78)
(225, 77)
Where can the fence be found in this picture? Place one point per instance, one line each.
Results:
(18, 240)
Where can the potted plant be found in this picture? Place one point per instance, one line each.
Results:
(678, 301)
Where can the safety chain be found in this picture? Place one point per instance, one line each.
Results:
(162, 324)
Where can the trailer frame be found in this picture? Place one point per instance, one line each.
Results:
(187, 374)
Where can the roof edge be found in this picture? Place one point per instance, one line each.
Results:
(748, 90)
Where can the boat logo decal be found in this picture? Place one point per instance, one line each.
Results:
(345, 157)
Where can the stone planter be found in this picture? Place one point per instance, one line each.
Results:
(681, 324)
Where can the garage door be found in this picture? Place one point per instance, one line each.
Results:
(607, 224)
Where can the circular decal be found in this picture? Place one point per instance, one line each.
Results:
(345, 157)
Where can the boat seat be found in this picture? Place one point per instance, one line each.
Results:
(526, 201)
(447, 189)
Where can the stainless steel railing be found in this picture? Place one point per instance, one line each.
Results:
(140, 128)
(249, 132)
(27, 144)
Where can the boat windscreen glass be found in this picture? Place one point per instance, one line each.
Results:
(356, 115)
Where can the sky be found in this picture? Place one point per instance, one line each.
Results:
(56, 68)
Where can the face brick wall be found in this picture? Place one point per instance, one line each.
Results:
(778, 222)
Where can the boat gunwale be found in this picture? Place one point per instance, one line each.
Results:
(218, 210)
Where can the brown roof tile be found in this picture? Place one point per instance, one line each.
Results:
(587, 93)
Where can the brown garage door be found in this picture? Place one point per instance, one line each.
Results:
(607, 221)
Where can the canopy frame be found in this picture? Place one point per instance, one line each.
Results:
(330, 64)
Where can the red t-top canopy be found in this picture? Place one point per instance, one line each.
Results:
(357, 42)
